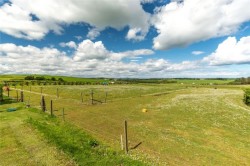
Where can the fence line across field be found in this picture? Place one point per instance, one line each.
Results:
(115, 139)
(84, 96)
(58, 100)
(92, 98)
(42, 104)
(35, 103)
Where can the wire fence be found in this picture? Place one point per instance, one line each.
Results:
(75, 110)
(33, 99)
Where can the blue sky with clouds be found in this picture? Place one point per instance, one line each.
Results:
(125, 38)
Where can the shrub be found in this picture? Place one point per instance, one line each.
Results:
(40, 78)
(60, 79)
(247, 97)
(53, 79)
(29, 78)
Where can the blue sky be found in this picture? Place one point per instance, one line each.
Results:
(126, 38)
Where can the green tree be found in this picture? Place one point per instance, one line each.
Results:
(29, 78)
(40, 78)
(53, 79)
(60, 79)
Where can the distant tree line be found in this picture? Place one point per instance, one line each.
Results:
(242, 80)
(42, 78)
(57, 82)
(46, 82)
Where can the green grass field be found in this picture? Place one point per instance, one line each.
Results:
(185, 124)
(204, 81)
(11, 77)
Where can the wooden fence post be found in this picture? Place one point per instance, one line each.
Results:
(126, 136)
(21, 96)
(51, 107)
(63, 114)
(82, 97)
(57, 93)
(17, 95)
(41, 90)
(92, 97)
(43, 104)
(106, 95)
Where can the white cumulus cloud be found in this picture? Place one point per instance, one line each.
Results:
(90, 50)
(18, 22)
(16, 17)
(30, 59)
(70, 44)
(91, 59)
(87, 50)
(182, 23)
(147, 1)
(93, 33)
(197, 52)
(231, 51)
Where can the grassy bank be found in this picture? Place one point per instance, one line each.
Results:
(84, 149)
(21, 144)
(30, 137)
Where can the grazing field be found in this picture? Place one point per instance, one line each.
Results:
(205, 81)
(185, 124)
(11, 77)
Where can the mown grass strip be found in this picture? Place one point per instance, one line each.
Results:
(84, 149)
